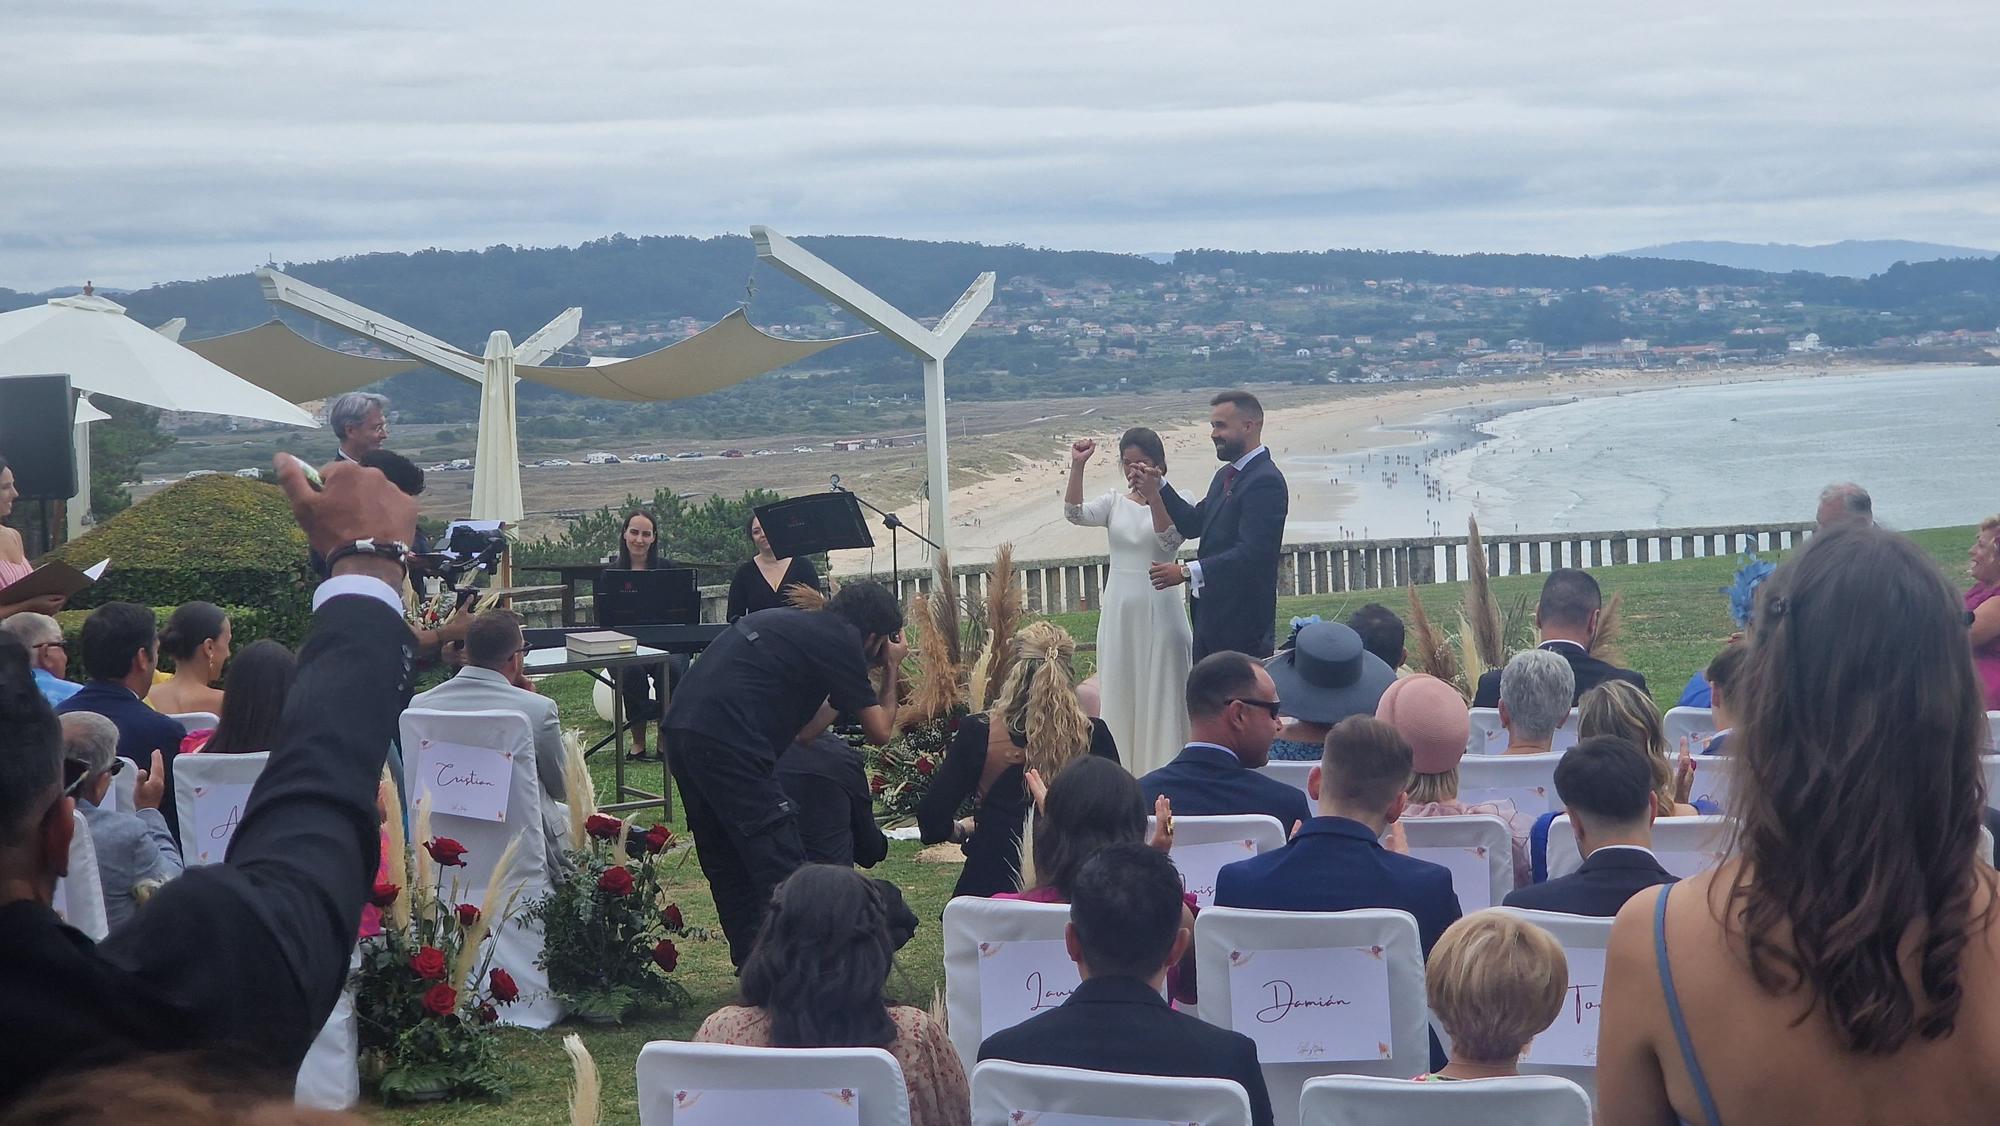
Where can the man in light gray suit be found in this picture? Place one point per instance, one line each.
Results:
(492, 680)
(133, 845)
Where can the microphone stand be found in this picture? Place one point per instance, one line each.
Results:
(890, 521)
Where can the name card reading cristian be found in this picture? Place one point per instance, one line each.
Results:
(1572, 1039)
(795, 1106)
(1198, 864)
(465, 781)
(1022, 978)
(1312, 1006)
(211, 824)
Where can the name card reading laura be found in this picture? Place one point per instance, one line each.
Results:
(1312, 1006)
(465, 781)
(1019, 979)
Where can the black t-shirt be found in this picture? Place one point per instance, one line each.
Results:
(828, 786)
(762, 680)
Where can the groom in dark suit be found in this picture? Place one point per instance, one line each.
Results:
(1241, 523)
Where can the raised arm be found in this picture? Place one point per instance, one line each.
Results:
(1262, 530)
(1152, 486)
(1091, 514)
(1187, 517)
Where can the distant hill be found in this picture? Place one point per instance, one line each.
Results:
(1850, 258)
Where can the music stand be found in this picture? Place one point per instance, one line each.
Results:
(816, 522)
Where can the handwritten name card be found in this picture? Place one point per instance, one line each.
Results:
(1572, 1039)
(465, 781)
(801, 1106)
(1312, 1006)
(1019, 979)
(1199, 863)
(218, 809)
(1471, 870)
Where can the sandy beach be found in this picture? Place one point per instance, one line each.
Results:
(1024, 508)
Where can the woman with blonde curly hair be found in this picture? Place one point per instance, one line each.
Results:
(1623, 709)
(1036, 724)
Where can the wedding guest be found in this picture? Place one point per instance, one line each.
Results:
(762, 580)
(1606, 787)
(197, 641)
(1382, 633)
(1233, 708)
(1536, 688)
(1850, 948)
(1567, 617)
(816, 978)
(46, 648)
(360, 423)
(1036, 724)
(1127, 926)
(120, 653)
(1324, 674)
(14, 565)
(244, 958)
(1624, 710)
(162, 1093)
(1495, 981)
(1724, 675)
(1984, 633)
(828, 786)
(1843, 505)
(253, 702)
(1143, 636)
(133, 846)
(1432, 719)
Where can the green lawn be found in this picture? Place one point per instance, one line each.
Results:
(1675, 620)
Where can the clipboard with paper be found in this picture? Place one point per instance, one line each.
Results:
(53, 577)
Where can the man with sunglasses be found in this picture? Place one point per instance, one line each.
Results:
(1233, 710)
(47, 652)
(133, 846)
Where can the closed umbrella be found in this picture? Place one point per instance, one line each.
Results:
(496, 470)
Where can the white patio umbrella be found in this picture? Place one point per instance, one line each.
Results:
(107, 352)
(496, 470)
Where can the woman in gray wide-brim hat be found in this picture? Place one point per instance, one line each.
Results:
(1323, 676)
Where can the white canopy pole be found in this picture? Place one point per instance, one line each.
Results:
(496, 470)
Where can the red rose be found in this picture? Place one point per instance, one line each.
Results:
(617, 881)
(658, 838)
(671, 917)
(441, 999)
(925, 765)
(488, 1013)
(385, 896)
(666, 956)
(877, 784)
(467, 914)
(428, 963)
(446, 852)
(501, 984)
(602, 827)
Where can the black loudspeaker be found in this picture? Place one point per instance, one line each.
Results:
(36, 416)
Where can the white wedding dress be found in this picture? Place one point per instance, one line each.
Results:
(1144, 641)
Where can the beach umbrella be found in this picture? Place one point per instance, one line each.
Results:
(496, 471)
(106, 352)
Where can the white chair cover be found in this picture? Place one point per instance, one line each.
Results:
(124, 784)
(518, 944)
(1222, 931)
(1291, 773)
(196, 721)
(1990, 764)
(330, 1077)
(1477, 848)
(210, 792)
(79, 898)
(1487, 737)
(668, 1067)
(1001, 1091)
(1202, 845)
(1714, 778)
(1529, 781)
(1697, 725)
(1685, 845)
(974, 930)
(1993, 729)
(1523, 1100)
(1573, 1053)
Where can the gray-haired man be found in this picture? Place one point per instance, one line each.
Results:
(133, 846)
(1843, 504)
(48, 654)
(360, 423)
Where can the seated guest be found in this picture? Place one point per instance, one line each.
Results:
(1494, 981)
(133, 846)
(1324, 675)
(197, 641)
(1037, 724)
(253, 702)
(1606, 786)
(1431, 717)
(46, 648)
(828, 785)
(1723, 674)
(1336, 862)
(1566, 616)
(1624, 710)
(1536, 688)
(1842, 505)
(1233, 708)
(815, 978)
(120, 652)
(494, 650)
(1382, 633)
(1127, 925)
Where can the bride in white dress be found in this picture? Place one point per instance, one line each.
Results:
(1144, 640)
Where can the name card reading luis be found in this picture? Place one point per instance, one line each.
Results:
(1471, 869)
(1199, 863)
(1572, 1039)
(1312, 1006)
(218, 809)
(465, 781)
(805, 1106)
(1022, 978)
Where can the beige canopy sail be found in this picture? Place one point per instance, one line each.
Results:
(295, 369)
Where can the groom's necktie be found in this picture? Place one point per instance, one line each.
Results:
(1229, 475)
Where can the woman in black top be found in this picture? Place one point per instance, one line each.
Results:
(1037, 723)
(639, 550)
(759, 584)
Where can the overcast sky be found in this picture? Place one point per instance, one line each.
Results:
(147, 142)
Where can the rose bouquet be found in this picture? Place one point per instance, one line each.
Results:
(607, 932)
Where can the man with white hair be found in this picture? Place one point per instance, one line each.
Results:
(360, 423)
(1843, 504)
(48, 653)
(133, 846)
(1535, 692)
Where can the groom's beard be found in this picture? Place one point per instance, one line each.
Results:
(1228, 450)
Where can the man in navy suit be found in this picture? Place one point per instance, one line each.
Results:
(121, 648)
(1233, 710)
(1566, 616)
(1125, 929)
(1606, 784)
(1241, 525)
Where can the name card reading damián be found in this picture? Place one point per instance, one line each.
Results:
(465, 781)
(801, 1106)
(218, 809)
(1312, 1006)
(1572, 1039)
(1019, 979)
(1198, 864)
